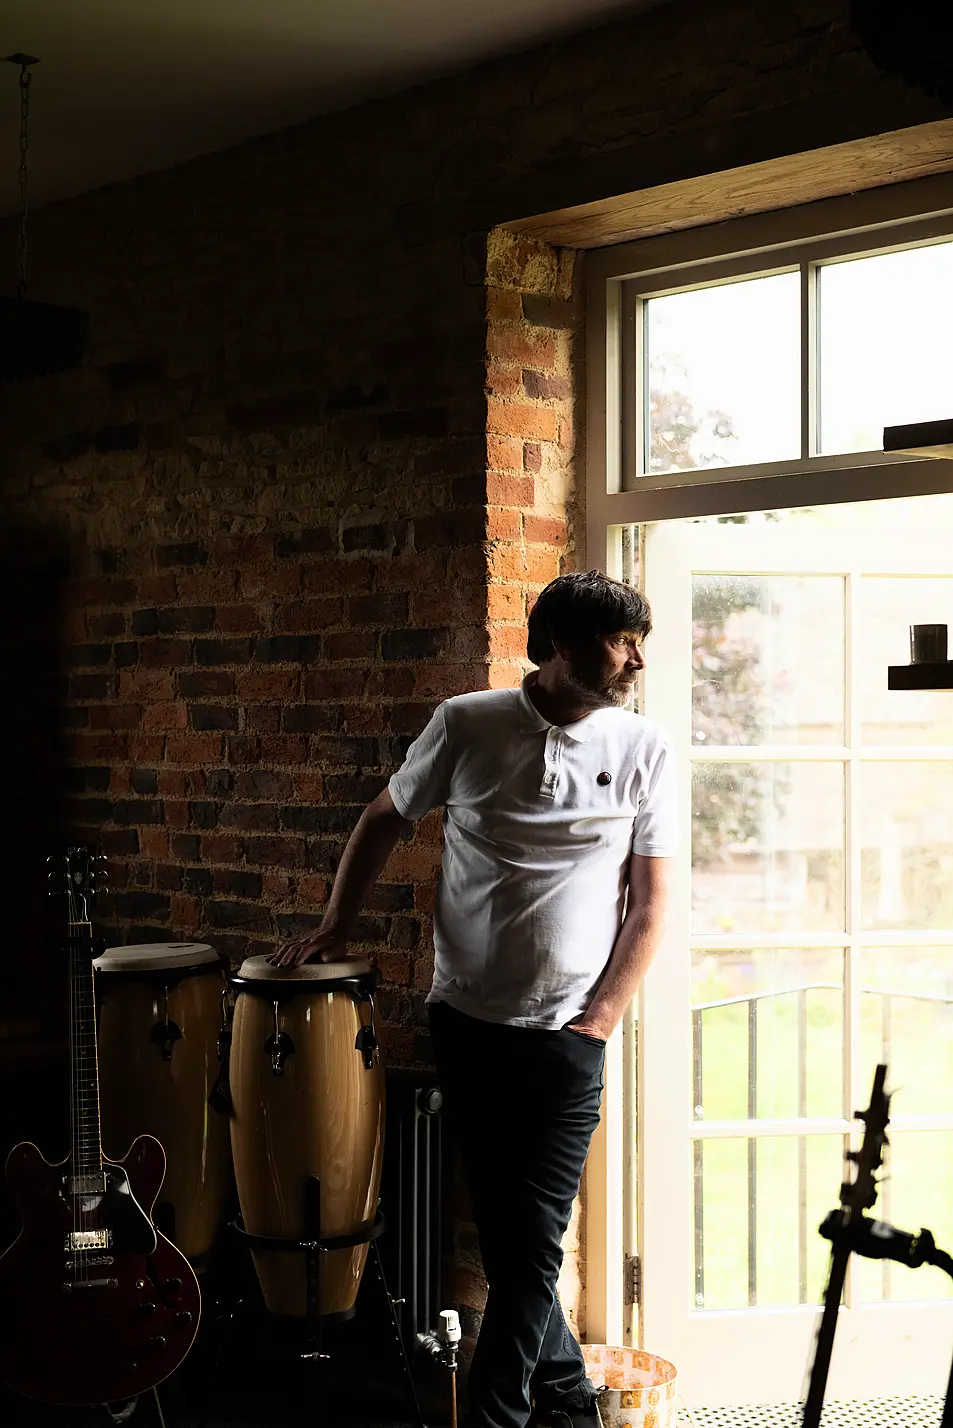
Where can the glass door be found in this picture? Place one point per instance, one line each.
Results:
(810, 935)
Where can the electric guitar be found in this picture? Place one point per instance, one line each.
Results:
(95, 1305)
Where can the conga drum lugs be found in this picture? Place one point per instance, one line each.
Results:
(160, 1007)
(307, 1089)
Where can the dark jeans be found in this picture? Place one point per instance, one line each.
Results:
(523, 1105)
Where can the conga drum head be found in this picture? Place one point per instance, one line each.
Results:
(260, 969)
(160, 1015)
(157, 957)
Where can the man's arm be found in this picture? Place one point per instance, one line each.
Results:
(634, 948)
(363, 859)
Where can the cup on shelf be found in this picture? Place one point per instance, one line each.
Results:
(927, 644)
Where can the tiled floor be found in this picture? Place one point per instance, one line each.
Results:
(875, 1413)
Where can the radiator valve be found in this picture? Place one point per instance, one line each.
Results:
(443, 1344)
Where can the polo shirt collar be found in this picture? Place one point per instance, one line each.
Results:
(532, 722)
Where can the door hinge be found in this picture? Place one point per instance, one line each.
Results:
(632, 1274)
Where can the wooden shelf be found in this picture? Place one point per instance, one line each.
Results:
(921, 676)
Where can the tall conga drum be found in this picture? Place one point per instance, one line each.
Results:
(307, 1089)
(160, 1014)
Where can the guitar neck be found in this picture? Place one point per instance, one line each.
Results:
(87, 1152)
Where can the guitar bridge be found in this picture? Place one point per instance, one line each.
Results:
(89, 1240)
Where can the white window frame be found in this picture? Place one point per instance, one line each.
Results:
(618, 280)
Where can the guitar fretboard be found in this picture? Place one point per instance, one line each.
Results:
(87, 1151)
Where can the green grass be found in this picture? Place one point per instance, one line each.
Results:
(920, 1163)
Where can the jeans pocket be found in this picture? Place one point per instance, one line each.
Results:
(584, 1036)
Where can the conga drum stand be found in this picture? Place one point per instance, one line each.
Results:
(315, 1246)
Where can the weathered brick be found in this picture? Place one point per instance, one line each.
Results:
(334, 818)
(203, 813)
(156, 590)
(413, 644)
(90, 686)
(212, 652)
(204, 717)
(533, 564)
(275, 852)
(502, 381)
(221, 848)
(237, 619)
(234, 882)
(425, 422)
(510, 490)
(84, 656)
(308, 615)
(544, 311)
(193, 748)
(283, 749)
(249, 817)
(109, 625)
(373, 537)
(288, 649)
(253, 784)
(517, 419)
(544, 530)
(503, 305)
(165, 714)
(115, 716)
(190, 553)
(133, 811)
(185, 846)
(316, 540)
(334, 684)
(521, 346)
(184, 619)
(542, 387)
(206, 684)
(310, 719)
(145, 781)
(140, 903)
(249, 915)
(358, 645)
(158, 654)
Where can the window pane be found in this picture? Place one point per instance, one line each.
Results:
(767, 847)
(767, 1033)
(890, 606)
(906, 830)
(885, 344)
(751, 683)
(757, 1208)
(916, 1190)
(723, 368)
(906, 1009)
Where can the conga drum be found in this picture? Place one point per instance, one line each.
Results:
(307, 1089)
(160, 1014)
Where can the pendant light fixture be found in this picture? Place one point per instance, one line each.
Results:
(37, 339)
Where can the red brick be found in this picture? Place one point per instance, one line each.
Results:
(313, 889)
(532, 456)
(284, 748)
(504, 602)
(379, 610)
(309, 786)
(334, 576)
(305, 616)
(165, 653)
(566, 437)
(516, 419)
(503, 381)
(540, 386)
(350, 646)
(363, 719)
(503, 523)
(154, 842)
(221, 848)
(505, 676)
(177, 814)
(157, 590)
(412, 863)
(507, 642)
(194, 748)
(208, 587)
(510, 490)
(243, 550)
(171, 783)
(262, 684)
(410, 572)
(525, 347)
(457, 602)
(504, 453)
(275, 887)
(442, 681)
(169, 714)
(504, 305)
(263, 718)
(146, 684)
(146, 749)
(284, 583)
(102, 590)
(186, 912)
(237, 619)
(334, 684)
(544, 530)
(115, 716)
(394, 968)
(391, 683)
(533, 564)
(120, 781)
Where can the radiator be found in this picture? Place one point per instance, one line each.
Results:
(412, 1200)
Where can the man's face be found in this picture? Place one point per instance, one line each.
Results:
(604, 672)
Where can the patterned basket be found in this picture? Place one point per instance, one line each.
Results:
(641, 1389)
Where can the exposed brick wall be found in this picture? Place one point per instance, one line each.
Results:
(320, 458)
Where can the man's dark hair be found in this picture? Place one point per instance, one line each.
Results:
(574, 609)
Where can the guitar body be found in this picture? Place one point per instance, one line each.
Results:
(95, 1325)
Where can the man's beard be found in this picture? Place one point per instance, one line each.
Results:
(591, 686)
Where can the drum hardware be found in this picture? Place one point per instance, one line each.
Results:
(851, 1231)
(279, 1046)
(220, 1096)
(315, 1246)
(165, 1032)
(366, 1042)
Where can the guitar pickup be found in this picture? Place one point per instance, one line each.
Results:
(87, 1184)
(91, 1284)
(89, 1240)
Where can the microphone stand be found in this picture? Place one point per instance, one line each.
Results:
(851, 1231)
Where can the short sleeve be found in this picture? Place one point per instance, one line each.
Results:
(655, 833)
(423, 780)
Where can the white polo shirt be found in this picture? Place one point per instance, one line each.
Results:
(540, 822)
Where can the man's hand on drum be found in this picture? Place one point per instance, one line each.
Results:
(318, 947)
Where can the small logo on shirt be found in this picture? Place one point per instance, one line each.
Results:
(603, 779)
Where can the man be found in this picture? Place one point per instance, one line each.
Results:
(559, 819)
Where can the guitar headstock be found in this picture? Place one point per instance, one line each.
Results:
(861, 1193)
(79, 873)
